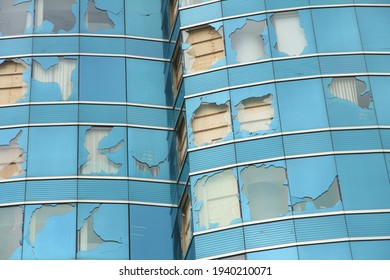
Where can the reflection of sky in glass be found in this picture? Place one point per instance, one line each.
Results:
(150, 232)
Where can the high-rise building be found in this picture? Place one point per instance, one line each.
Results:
(190, 129)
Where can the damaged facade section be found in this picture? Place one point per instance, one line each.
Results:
(266, 191)
(352, 90)
(255, 113)
(211, 123)
(102, 231)
(12, 86)
(203, 47)
(96, 18)
(98, 160)
(12, 157)
(248, 41)
(216, 200)
(327, 199)
(290, 35)
(54, 15)
(181, 140)
(185, 226)
(153, 169)
(14, 17)
(59, 73)
(11, 225)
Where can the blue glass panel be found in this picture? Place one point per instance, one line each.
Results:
(336, 30)
(237, 7)
(364, 181)
(53, 44)
(110, 114)
(371, 250)
(380, 90)
(103, 79)
(373, 24)
(276, 254)
(145, 48)
(140, 87)
(144, 18)
(200, 14)
(331, 251)
(53, 113)
(102, 45)
(150, 233)
(276, 4)
(53, 151)
(15, 47)
(302, 105)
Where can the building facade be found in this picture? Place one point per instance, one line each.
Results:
(222, 129)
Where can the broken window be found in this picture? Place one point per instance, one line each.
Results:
(290, 35)
(248, 41)
(59, 73)
(177, 68)
(185, 224)
(216, 200)
(173, 9)
(266, 191)
(98, 160)
(55, 15)
(211, 123)
(14, 18)
(102, 231)
(11, 223)
(11, 158)
(327, 199)
(206, 47)
(96, 18)
(192, 2)
(181, 140)
(255, 113)
(350, 89)
(49, 231)
(12, 86)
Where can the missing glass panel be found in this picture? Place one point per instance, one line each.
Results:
(266, 191)
(58, 13)
(60, 73)
(290, 35)
(11, 223)
(11, 158)
(248, 41)
(350, 89)
(206, 48)
(12, 86)
(255, 113)
(211, 123)
(98, 160)
(97, 19)
(14, 18)
(218, 196)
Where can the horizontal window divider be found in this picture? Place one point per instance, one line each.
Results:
(330, 153)
(293, 217)
(86, 124)
(130, 202)
(265, 11)
(301, 78)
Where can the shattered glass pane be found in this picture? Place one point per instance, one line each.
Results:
(290, 35)
(248, 41)
(255, 113)
(217, 196)
(206, 48)
(327, 199)
(97, 19)
(60, 73)
(210, 123)
(266, 191)
(98, 160)
(11, 223)
(350, 89)
(11, 158)
(14, 18)
(55, 14)
(12, 86)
